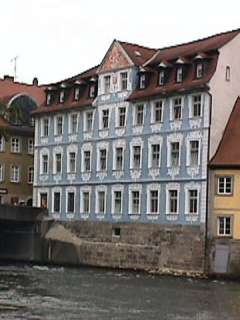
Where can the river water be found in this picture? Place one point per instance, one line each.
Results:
(34, 292)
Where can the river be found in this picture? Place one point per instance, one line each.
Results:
(37, 293)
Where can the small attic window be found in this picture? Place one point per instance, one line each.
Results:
(76, 93)
(137, 53)
(92, 91)
(62, 96)
(179, 74)
(49, 98)
(228, 74)
(142, 81)
(199, 70)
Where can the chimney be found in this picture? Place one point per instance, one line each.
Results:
(9, 78)
(35, 81)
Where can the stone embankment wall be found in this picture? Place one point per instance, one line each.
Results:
(153, 248)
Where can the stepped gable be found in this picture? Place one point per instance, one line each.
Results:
(228, 152)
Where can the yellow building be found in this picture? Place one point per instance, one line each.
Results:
(224, 200)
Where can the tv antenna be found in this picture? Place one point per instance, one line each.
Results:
(14, 61)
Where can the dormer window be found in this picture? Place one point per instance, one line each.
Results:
(228, 73)
(179, 74)
(199, 70)
(92, 91)
(142, 81)
(161, 79)
(61, 96)
(49, 98)
(76, 93)
(107, 82)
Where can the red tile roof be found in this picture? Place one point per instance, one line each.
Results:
(228, 152)
(10, 88)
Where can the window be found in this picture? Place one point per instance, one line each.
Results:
(30, 175)
(1, 173)
(44, 163)
(177, 109)
(174, 154)
(139, 114)
(179, 75)
(86, 201)
(225, 185)
(107, 81)
(103, 159)
(224, 226)
(105, 116)
(154, 201)
(2, 143)
(135, 202)
(119, 159)
(88, 121)
(72, 162)
(199, 70)
(197, 106)
(117, 202)
(161, 79)
(14, 174)
(173, 201)
(116, 232)
(142, 81)
(124, 80)
(45, 127)
(101, 202)
(77, 93)
(62, 96)
(87, 161)
(228, 74)
(157, 111)
(122, 116)
(193, 201)
(58, 163)
(56, 201)
(49, 98)
(194, 153)
(70, 202)
(15, 145)
(155, 153)
(92, 91)
(136, 157)
(30, 146)
(59, 125)
(73, 123)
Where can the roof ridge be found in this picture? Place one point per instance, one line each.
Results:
(138, 45)
(200, 39)
(24, 83)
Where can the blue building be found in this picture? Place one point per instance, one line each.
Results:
(130, 139)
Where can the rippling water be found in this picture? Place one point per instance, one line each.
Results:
(64, 293)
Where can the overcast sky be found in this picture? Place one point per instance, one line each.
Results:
(55, 39)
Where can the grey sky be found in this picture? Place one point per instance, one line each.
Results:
(55, 39)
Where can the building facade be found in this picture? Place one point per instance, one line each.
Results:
(224, 208)
(130, 140)
(17, 140)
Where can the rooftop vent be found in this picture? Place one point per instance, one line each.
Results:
(35, 81)
(137, 53)
(9, 78)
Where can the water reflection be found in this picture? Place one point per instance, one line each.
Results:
(64, 293)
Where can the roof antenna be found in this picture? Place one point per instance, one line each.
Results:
(14, 60)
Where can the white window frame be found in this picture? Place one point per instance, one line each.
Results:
(118, 144)
(135, 187)
(101, 118)
(43, 127)
(85, 120)
(2, 144)
(105, 90)
(142, 81)
(70, 122)
(172, 108)
(86, 147)
(187, 188)
(56, 190)
(30, 146)
(153, 187)
(153, 106)
(118, 117)
(135, 115)
(57, 150)
(56, 133)
(14, 178)
(171, 187)
(121, 80)
(76, 93)
(191, 105)
(170, 139)
(70, 190)
(69, 161)
(218, 182)
(2, 172)
(179, 74)
(17, 146)
(82, 191)
(153, 140)
(199, 70)
(117, 188)
(188, 159)
(132, 155)
(218, 226)
(62, 96)
(102, 146)
(32, 175)
(44, 152)
(97, 190)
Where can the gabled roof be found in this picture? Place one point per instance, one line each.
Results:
(211, 43)
(228, 152)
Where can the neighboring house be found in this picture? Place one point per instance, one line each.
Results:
(17, 140)
(224, 199)
(130, 140)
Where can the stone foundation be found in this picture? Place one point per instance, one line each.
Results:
(148, 247)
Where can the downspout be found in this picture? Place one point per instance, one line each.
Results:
(207, 188)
